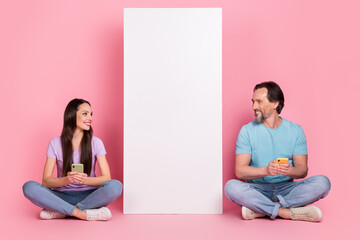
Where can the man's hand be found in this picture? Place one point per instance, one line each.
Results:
(285, 169)
(272, 169)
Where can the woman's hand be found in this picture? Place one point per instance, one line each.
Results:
(96, 181)
(70, 177)
(80, 177)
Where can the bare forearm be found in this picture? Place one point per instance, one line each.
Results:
(96, 181)
(55, 182)
(250, 173)
(298, 172)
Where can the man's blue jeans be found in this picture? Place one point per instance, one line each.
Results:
(268, 198)
(66, 201)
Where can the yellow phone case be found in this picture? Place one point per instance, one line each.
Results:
(282, 160)
(77, 168)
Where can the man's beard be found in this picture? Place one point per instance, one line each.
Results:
(261, 118)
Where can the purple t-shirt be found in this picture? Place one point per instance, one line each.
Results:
(55, 151)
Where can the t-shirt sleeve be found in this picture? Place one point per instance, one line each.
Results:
(99, 148)
(300, 146)
(51, 150)
(243, 142)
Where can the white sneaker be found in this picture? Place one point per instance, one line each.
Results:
(47, 214)
(249, 214)
(102, 214)
(309, 213)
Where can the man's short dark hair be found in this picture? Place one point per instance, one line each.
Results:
(274, 93)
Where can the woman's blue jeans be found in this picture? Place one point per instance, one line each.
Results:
(268, 198)
(66, 201)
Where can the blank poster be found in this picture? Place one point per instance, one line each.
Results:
(172, 111)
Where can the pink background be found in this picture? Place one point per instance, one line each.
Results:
(53, 51)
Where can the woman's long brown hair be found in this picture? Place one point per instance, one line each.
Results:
(67, 135)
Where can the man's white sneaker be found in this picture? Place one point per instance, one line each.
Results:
(102, 214)
(47, 214)
(309, 213)
(249, 214)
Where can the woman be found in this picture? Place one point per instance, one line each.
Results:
(82, 195)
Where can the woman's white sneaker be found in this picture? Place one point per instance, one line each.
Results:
(101, 214)
(249, 214)
(47, 214)
(309, 213)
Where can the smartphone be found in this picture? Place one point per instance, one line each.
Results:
(77, 168)
(282, 160)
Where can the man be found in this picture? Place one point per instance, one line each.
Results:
(269, 189)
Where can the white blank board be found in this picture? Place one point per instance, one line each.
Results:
(172, 111)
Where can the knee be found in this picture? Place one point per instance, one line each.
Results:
(232, 187)
(29, 188)
(114, 187)
(325, 183)
(322, 184)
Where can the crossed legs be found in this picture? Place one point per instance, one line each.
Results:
(72, 204)
(277, 199)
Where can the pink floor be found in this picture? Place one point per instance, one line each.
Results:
(338, 223)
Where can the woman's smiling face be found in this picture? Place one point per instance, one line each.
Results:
(84, 117)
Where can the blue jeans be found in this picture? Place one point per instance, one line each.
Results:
(66, 201)
(268, 198)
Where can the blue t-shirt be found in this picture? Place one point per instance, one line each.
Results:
(267, 144)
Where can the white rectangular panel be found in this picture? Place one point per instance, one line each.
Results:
(172, 111)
